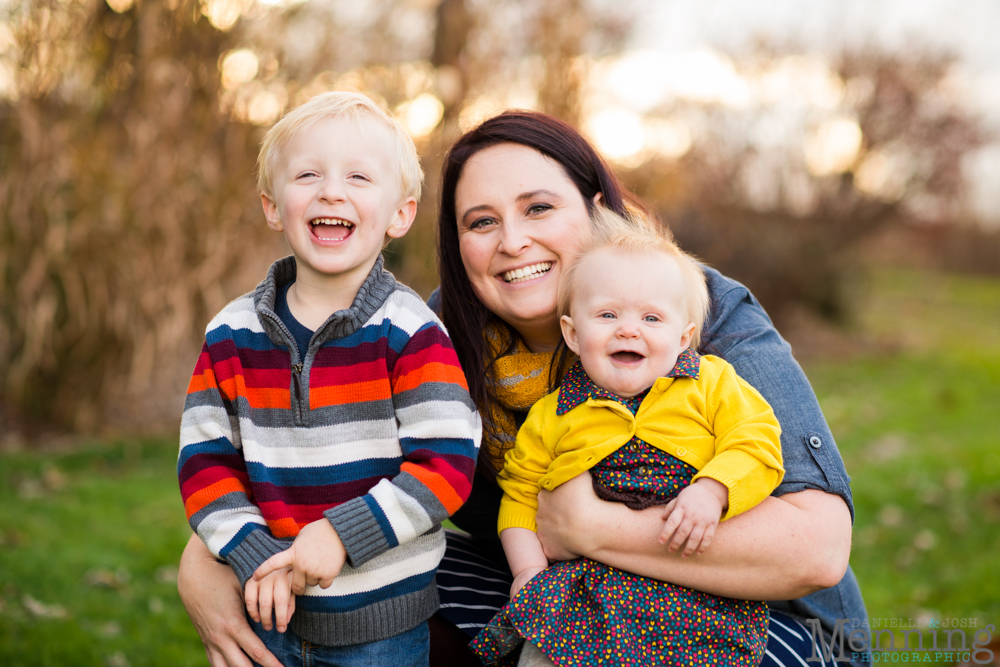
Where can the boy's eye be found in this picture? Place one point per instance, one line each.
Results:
(360, 177)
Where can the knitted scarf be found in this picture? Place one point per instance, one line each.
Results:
(521, 379)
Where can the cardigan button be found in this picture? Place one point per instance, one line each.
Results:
(662, 383)
(681, 451)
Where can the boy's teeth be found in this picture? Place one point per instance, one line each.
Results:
(331, 221)
(527, 272)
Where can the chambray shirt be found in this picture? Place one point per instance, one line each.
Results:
(738, 330)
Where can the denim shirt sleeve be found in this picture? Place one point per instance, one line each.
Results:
(739, 331)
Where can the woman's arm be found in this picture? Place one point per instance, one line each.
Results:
(782, 549)
(213, 598)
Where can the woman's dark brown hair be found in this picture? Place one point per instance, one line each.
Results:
(462, 311)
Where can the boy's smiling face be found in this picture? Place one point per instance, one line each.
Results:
(627, 319)
(337, 198)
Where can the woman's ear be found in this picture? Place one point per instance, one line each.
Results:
(569, 333)
(598, 198)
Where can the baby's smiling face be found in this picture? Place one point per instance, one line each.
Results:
(627, 318)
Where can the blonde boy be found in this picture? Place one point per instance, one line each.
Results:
(328, 430)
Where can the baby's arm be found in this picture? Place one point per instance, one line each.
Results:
(524, 555)
(694, 514)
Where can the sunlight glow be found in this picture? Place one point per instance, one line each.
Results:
(120, 5)
(238, 67)
(881, 175)
(420, 115)
(617, 133)
(833, 147)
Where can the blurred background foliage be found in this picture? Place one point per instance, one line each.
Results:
(128, 135)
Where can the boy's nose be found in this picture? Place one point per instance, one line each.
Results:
(332, 191)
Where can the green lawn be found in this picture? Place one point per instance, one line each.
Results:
(89, 539)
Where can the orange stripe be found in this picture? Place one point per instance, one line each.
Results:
(432, 372)
(357, 392)
(438, 485)
(202, 381)
(268, 397)
(197, 501)
(286, 527)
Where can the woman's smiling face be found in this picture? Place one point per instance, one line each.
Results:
(521, 220)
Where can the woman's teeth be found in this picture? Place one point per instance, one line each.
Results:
(527, 273)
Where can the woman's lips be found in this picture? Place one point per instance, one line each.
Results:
(527, 272)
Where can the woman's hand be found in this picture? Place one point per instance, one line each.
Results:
(212, 595)
(782, 549)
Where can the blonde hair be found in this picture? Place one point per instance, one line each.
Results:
(637, 234)
(339, 104)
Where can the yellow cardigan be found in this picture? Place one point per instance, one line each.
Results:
(717, 423)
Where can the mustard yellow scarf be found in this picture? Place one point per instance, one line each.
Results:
(522, 377)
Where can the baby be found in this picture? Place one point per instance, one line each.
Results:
(655, 424)
(328, 430)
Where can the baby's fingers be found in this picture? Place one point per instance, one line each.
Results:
(707, 539)
(694, 539)
(681, 534)
(673, 517)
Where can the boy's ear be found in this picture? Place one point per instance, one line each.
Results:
(569, 333)
(403, 218)
(271, 213)
(687, 335)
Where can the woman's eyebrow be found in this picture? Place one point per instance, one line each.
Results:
(536, 193)
(476, 209)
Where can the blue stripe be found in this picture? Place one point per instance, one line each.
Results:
(457, 446)
(383, 521)
(324, 475)
(244, 338)
(239, 537)
(217, 446)
(358, 600)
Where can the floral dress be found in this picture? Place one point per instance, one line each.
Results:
(582, 612)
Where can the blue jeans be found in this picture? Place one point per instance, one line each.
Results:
(409, 649)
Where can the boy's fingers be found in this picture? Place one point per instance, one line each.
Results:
(326, 583)
(275, 562)
(298, 581)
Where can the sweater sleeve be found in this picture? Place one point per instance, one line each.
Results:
(524, 468)
(212, 473)
(747, 456)
(439, 434)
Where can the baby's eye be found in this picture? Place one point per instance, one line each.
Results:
(608, 316)
(651, 318)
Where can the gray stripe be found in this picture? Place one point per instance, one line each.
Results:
(377, 621)
(235, 500)
(251, 553)
(330, 414)
(434, 391)
(358, 530)
(428, 501)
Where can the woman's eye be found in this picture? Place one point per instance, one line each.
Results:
(481, 223)
(537, 209)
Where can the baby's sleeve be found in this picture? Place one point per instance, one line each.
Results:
(747, 456)
(524, 467)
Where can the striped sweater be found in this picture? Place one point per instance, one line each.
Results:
(374, 429)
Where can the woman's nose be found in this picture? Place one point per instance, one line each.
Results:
(513, 239)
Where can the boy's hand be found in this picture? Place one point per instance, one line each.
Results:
(274, 589)
(693, 516)
(315, 557)
(523, 577)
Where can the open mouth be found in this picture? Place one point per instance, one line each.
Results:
(331, 229)
(627, 357)
(527, 272)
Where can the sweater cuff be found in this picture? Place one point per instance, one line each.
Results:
(251, 553)
(359, 530)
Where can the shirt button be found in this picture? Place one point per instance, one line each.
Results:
(815, 441)
(644, 471)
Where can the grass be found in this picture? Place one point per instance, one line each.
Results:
(89, 538)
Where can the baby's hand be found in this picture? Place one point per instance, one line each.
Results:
(315, 557)
(523, 577)
(693, 516)
(274, 589)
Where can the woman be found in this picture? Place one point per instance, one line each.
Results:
(515, 197)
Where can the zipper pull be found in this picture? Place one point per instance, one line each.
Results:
(297, 368)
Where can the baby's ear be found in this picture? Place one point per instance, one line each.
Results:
(569, 333)
(687, 335)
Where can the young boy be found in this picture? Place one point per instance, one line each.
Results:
(328, 429)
